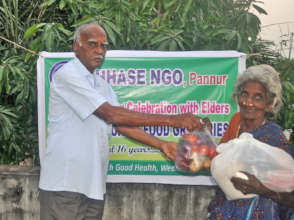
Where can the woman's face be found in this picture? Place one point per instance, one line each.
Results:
(253, 101)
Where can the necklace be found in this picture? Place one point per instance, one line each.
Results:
(240, 131)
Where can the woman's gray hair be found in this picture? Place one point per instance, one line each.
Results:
(269, 78)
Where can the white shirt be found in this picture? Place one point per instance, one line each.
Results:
(76, 158)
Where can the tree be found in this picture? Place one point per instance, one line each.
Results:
(130, 24)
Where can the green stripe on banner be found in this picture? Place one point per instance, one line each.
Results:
(122, 167)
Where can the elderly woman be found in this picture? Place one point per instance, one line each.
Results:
(258, 93)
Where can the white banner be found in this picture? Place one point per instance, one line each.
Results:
(159, 82)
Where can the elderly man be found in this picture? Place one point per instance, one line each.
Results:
(82, 108)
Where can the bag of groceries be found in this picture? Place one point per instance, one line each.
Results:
(195, 151)
(271, 165)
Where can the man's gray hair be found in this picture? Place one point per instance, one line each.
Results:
(79, 30)
(269, 78)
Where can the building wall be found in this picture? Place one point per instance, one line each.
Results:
(124, 201)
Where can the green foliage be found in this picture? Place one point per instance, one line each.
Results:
(49, 36)
(18, 108)
(170, 25)
(286, 115)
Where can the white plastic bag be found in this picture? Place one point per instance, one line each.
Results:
(271, 165)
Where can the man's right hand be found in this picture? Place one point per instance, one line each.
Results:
(124, 117)
(187, 120)
(207, 123)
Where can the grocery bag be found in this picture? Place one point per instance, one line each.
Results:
(195, 151)
(271, 165)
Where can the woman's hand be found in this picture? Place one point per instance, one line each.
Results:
(253, 185)
(250, 186)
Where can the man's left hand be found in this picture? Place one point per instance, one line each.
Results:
(169, 149)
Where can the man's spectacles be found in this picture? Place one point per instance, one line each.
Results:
(94, 45)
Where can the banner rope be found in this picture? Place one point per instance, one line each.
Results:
(31, 51)
(253, 54)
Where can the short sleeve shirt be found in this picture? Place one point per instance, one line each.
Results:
(76, 157)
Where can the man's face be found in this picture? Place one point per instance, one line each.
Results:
(92, 47)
